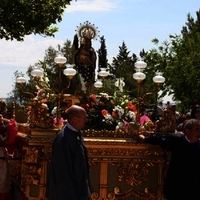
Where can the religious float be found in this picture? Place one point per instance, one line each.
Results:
(121, 167)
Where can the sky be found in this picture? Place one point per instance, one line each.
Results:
(135, 22)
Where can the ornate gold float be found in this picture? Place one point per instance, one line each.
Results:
(121, 167)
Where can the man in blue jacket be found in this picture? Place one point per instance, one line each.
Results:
(69, 169)
(182, 181)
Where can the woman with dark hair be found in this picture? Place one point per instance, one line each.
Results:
(195, 112)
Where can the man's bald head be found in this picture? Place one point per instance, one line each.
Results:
(76, 116)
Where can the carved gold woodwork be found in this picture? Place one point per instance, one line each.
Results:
(133, 161)
(39, 116)
(120, 167)
(35, 148)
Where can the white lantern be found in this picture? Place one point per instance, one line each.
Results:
(103, 73)
(98, 83)
(37, 72)
(140, 64)
(158, 78)
(20, 79)
(60, 59)
(69, 71)
(139, 76)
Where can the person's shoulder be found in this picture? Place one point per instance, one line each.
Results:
(59, 135)
(64, 132)
(178, 137)
(64, 136)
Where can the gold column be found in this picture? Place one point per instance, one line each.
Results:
(103, 179)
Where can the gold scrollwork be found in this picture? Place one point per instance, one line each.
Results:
(32, 154)
(132, 173)
(125, 152)
(132, 192)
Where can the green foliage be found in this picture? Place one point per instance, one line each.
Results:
(157, 61)
(24, 17)
(75, 42)
(108, 87)
(179, 59)
(50, 81)
(16, 95)
(185, 76)
(123, 66)
(192, 25)
(102, 54)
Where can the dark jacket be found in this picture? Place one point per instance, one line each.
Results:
(69, 170)
(182, 180)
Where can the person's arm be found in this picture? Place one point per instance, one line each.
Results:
(166, 141)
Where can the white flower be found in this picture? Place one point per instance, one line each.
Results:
(54, 111)
(119, 110)
(104, 95)
(131, 115)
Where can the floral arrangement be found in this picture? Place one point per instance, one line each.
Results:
(110, 112)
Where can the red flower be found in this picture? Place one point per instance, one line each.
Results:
(114, 114)
(131, 106)
(104, 112)
(93, 96)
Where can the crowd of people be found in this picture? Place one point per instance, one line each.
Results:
(150, 116)
(183, 118)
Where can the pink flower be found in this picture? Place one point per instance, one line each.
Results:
(61, 120)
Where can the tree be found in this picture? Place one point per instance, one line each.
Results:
(50, 81)
(185, 76)
(19, 18)
(102, 54)
(123, 66)
(191, 25)
(76, 42)
(158, 61)
(16, 95)
(186, 63)
(179, 59)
